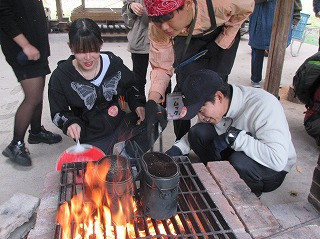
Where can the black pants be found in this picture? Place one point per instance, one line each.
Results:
(139, 67)
(258, 177)
(216, 59)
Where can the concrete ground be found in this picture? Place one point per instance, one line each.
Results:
(285, 200)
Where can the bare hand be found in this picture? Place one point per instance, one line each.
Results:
(32, 53)
(137, 8)
(74, 131)
(141, 114)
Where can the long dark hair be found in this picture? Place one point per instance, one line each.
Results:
(85, 36)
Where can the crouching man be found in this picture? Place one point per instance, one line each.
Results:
(243, 125)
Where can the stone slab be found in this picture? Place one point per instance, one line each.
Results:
(24, 229)
(243, 236)
(227, 177)
(228, 213)
(220, 201)
(45, 224)
(206, 178)
(16, 211)
(257, 218)
(298, 212)
(306, 232)
(242, 199)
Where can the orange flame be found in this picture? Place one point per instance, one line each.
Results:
(94, 213)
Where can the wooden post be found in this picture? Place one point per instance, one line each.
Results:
(278, 45)
(59, 10)
(314, 196)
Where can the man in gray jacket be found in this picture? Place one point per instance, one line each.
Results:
(243, 125)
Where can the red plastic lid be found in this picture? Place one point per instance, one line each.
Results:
(85, 154)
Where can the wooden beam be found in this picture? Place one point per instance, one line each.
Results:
(278, 45)
(59, 10)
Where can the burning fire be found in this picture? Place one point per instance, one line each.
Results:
(98, 213)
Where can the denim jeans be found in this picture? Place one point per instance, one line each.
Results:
(257, 57)
(258, 177)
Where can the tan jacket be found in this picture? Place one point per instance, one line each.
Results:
(230, 13)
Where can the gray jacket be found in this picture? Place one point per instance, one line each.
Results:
(138, 40)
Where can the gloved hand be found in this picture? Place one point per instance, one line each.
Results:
(219, 144)
(232, 134)
(174, 151)
(154, 114)
(223, 141)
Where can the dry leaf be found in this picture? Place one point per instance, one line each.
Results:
(299, 169)
(293, 193)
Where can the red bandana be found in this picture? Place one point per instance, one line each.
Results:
(162, 7)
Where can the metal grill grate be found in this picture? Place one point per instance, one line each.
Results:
(197, 214)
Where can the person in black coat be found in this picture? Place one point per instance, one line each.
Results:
(24, 42)
(88, 93)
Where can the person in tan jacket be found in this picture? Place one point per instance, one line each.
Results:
(209, 25)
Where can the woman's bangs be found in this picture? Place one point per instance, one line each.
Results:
(86, 44)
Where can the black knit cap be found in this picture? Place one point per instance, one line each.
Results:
(198, 88)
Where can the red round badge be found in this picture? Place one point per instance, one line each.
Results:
(113, 111)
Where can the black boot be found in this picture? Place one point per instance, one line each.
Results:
(44, 136)
(18, 153)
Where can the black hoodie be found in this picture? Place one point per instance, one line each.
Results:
(96, 107)
(26, 17)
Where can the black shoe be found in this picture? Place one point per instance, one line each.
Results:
(18, 153)
(44, 136)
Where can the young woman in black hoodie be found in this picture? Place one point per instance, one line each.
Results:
(88, 93)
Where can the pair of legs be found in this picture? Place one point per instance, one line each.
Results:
(258, 177)
(29, 113)
(30, 110)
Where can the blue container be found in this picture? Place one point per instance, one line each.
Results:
(298, 32)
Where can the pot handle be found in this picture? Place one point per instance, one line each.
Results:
(138, 156)
(160, 140)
